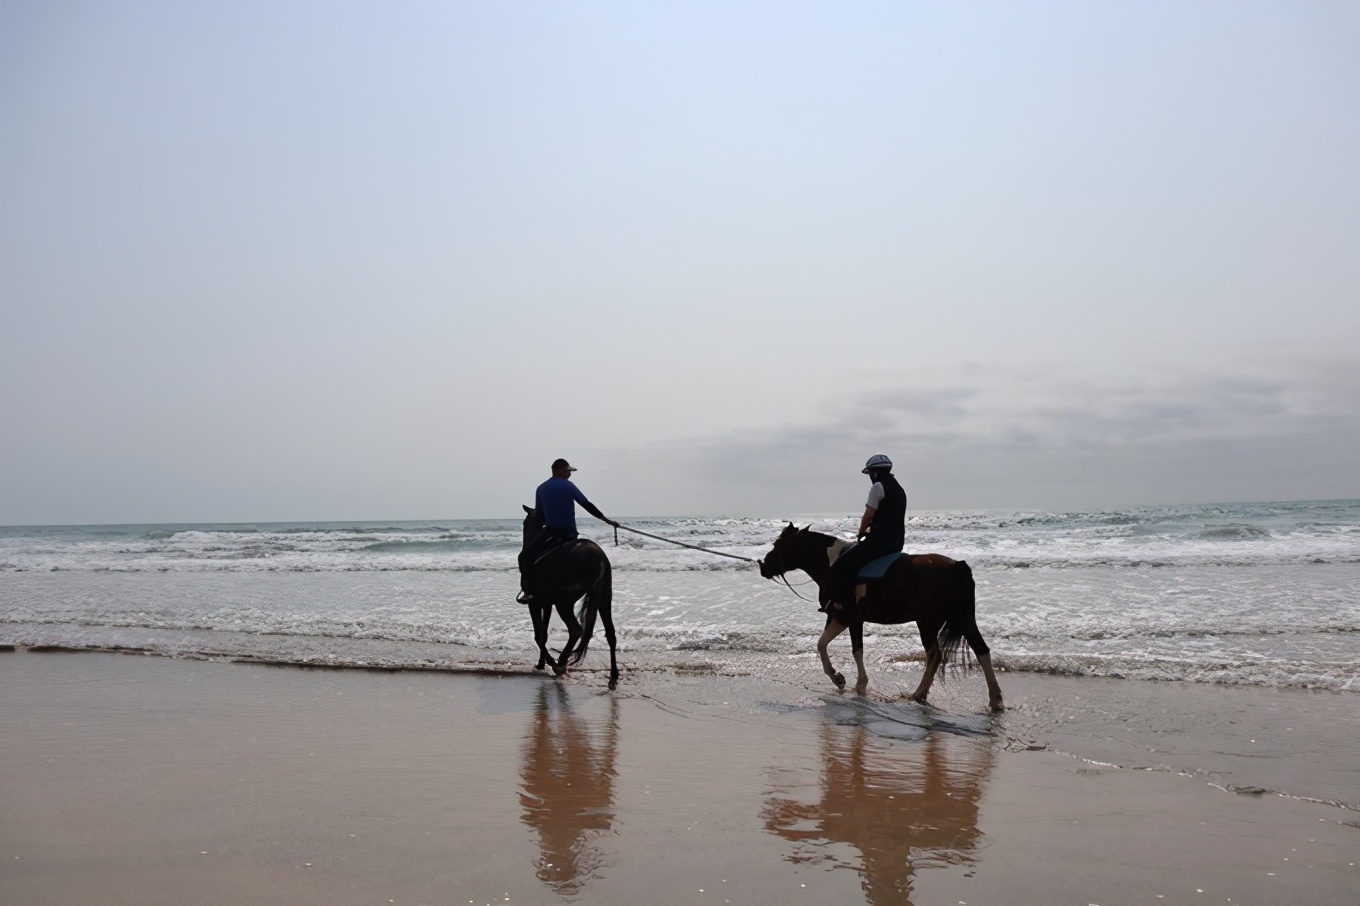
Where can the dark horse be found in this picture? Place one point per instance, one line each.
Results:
(932, 590)
(570, 571)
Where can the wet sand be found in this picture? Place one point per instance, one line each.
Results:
(132, 779)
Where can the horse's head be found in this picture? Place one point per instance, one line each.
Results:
(783, 556)
(533, 521)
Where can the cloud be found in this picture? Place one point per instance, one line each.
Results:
(1004, 435)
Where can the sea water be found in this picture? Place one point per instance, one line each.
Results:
(1243, 594)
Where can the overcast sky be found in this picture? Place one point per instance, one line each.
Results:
(295, 261)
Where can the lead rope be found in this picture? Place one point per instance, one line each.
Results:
(693, 547)
(707, 550)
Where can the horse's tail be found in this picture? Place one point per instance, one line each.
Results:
(960, 619)
(600, 594)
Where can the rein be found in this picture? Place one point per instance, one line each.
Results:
(785, 577)
(693, 547)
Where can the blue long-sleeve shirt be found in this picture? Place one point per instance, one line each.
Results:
(556, 499)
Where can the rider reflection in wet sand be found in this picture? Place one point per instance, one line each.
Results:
(568, 788)
(905, 808)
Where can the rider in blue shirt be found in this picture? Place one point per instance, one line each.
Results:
(555, 501)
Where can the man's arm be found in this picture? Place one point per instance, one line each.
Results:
(870, 507)
(865, 521)
(591, 508)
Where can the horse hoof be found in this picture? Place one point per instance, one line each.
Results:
(839, 680)
(998, 706)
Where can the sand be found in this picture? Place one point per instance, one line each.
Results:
(146, 780)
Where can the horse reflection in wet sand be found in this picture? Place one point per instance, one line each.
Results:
(905, 807)
(568, 788)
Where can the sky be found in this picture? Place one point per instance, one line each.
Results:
(268, 261)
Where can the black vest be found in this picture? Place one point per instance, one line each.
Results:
(888, 530)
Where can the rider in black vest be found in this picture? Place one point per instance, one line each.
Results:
(882, 531)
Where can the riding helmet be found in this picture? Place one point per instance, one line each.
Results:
(877, 461)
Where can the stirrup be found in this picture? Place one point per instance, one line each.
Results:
(525, 597)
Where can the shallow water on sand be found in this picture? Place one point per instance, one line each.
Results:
(1295, 742)
(158, 781)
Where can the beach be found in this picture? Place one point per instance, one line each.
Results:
(139, 779)
(347, 713)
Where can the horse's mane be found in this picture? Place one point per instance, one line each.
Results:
(792, 533)
(806, 538)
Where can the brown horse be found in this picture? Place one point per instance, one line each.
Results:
(933, 591)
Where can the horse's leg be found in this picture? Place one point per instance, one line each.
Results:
(607, 617)
(573, 634)
(984, 659)
(832, 630)
(928, 677)
(857, 648)
(933, 658)
(540, 636)
(540, 614)
(993, 687)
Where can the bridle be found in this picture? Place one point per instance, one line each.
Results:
(783, 573)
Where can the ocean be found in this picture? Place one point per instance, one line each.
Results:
(1261, 594)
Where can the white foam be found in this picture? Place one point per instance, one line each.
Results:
(1200, 594)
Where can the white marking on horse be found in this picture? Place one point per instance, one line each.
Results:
(833, 553)
(835, 549)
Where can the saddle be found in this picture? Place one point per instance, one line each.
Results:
(548, 564)
(875, 569)
(555, 550)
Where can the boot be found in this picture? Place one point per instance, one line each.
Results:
(526, 591)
